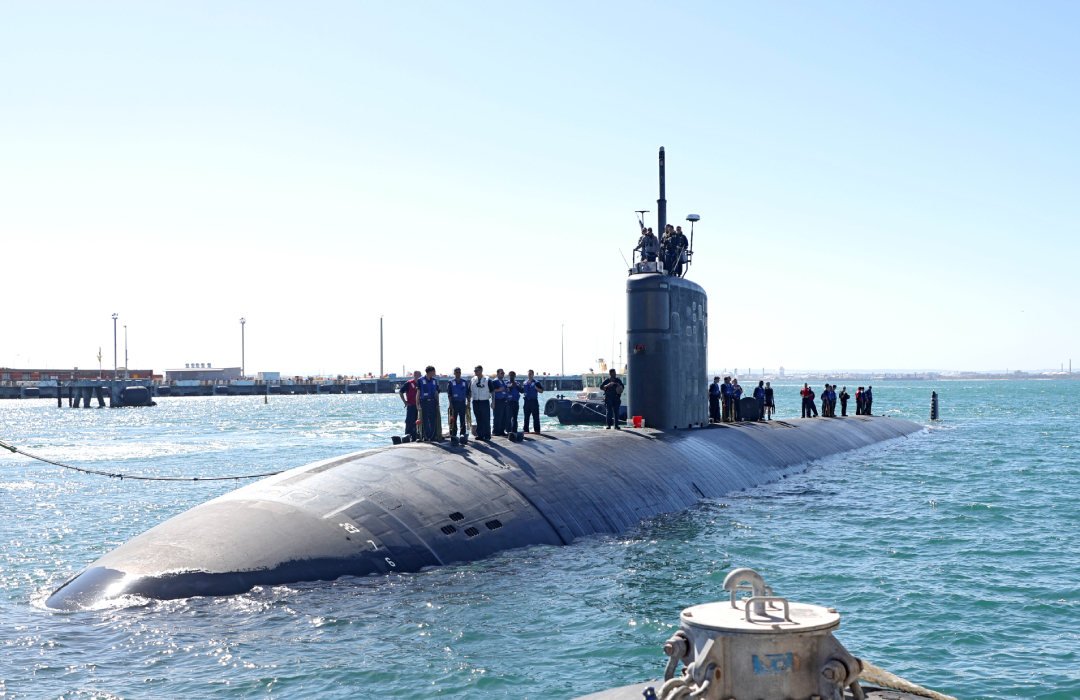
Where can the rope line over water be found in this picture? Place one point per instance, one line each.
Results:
(117, 475)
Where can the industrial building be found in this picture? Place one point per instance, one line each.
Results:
(202, 371)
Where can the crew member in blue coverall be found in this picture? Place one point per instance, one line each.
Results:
(498, 404)
(726, 395)
(513, 395)
(532, 387)
(428, 389)
(458, 389)
(759, 394)
(714, 400)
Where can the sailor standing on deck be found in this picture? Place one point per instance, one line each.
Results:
(759, 394)
(770, 402)
(408, 397)
(480, 391)
(736, 398)
(714, 400)
(868, 401)
(513, 394)
(532, 387)
(612, 388)
(726, 395)
(498, 404)
(805, 394)
(844, 396)
(430, 419)
(458, 389)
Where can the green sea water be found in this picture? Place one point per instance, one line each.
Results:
(952, 557)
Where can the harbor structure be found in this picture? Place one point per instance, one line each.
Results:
(202, 371)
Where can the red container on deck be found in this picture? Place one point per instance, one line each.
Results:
(637, 421)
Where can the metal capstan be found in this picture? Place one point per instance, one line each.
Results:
(763, 646)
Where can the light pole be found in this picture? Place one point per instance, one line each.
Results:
(243, 371)
(380, 347)
(126, 370)
(562, 347)
(115, 356)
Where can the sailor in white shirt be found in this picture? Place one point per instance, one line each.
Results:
(481, 404)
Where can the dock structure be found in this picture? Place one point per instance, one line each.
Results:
(141, 392)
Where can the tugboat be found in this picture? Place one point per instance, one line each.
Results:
(588, 405)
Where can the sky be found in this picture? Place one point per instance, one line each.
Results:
(880, 185)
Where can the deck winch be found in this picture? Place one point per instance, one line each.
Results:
(763, 647)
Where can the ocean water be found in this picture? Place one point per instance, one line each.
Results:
(952, 557)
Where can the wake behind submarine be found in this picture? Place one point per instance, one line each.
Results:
(405, 507)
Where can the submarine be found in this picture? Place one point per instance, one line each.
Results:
(404, 507)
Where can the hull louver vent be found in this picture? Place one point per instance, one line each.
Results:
(448, 529)
(472, 531)
(456, 516)
(493, 524)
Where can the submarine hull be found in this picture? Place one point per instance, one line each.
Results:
(411, 506)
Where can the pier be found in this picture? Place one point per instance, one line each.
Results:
(81, 392)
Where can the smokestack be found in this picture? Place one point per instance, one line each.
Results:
(661, 204)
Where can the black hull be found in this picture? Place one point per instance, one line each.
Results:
(405, 507)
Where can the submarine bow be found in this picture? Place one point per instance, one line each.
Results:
(407, 507)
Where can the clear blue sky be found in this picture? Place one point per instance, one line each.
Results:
(880, 185)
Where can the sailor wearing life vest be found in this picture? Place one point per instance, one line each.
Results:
(513, 401)
(408, 394)
(428, 389)
(727, 395)
(759, 394)
(714, 400)
(480, 391)
(531, 387)
(458, 389)
(498, 404)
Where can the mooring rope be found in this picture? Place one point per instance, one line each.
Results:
(875, 675)
(97, 472)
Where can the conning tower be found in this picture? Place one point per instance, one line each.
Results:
(667, 333)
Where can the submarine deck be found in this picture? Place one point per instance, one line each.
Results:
(402, 508)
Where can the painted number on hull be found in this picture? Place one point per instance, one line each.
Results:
(391, 563)
(349, 527)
